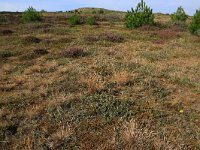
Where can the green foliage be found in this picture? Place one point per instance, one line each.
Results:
(94, 12)
(91, 21)
(74, 20)
(31, 15)
(194, 26)
(142, 15)
(179, 16)
(101, 11)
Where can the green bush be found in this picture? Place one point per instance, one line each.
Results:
(31, 15)
(91, 21)
(94, 12)
(179, 16)
(194, 26)
(101, 11)
(74, 20)
(142, 15)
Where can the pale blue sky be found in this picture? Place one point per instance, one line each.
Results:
(164, 6)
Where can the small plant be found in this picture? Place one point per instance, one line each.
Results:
(101, 11)
(31, 15)
(194, 26)
(31, 39)
(91, 21)
(74, 52)
(179, 17)
(6, 32)
(5, 54)
(112, 37)
(142, 15)
(94, 12)
(74, 20)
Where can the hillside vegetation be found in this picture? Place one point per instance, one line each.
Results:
(101, 87)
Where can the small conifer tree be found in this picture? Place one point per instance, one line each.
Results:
(179, 17)
(194, 26)
(142, 15)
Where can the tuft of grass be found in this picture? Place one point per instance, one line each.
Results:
(74, 20)
(7, 32)
(74, 52)
(156, 55)
(30, 40)
(111, 37)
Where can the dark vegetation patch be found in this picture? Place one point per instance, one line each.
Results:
(6, 53)
(30, 40)
(74, 52)
(111, 37)
(34, 54)
(64, 40)
(7, 32)
(11, 130)
(40, 51)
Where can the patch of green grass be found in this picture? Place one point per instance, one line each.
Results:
(9, 53)
(156, 55)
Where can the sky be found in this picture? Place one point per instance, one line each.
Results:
(163, 6)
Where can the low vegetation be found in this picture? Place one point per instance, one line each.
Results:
(91, 21)
(100, 87)
(179, 17)
(194, 26)
(31, 15)
(74, 20)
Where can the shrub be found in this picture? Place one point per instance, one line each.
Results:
(179, 16)
(74, 20)
(94, 12)
(6, 32)
(31, 39)
(101, 11)
(31, 15)
(194, 26)
(5, 54)
(91, 21)
(142, 15)
(74, 52)
(40, 51)
(112, 37)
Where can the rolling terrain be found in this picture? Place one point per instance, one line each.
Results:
(102, 87)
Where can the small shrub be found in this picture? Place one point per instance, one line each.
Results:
(112, 37)
(35, 53)
(74, 52)
(194, 26)
(101, 11)
(5, 54)
(31, 39)
(6, 32)
(142, 15)
(74, 20)
(94, 12)
(40, 51)
(91, 21)
(31, 15)
(179, 17)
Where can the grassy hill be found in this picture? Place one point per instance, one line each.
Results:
(98, 87)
